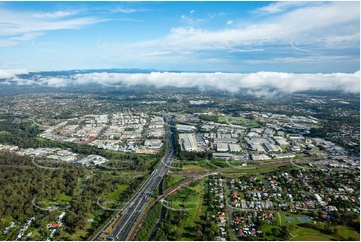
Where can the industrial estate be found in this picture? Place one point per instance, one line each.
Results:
(180, 121)
(144, 169)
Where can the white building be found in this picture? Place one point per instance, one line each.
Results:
(225, 140)
(185, 128)
(222, 147)
(222, 155)
(234, 148)
(189, 143)
(260, 157)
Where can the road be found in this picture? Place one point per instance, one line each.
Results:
(230, 211)
(170, 190)
(132, 210)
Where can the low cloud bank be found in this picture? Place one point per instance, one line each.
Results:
(233, 82)
(12, 73)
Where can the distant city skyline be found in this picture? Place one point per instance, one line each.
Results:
(241, 37)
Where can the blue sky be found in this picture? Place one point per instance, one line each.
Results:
(297, 37)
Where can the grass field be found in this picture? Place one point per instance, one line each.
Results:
(311, 237)
(4, 132)
(115, 194)
(174, 180)
(347, 232)
(201, 210)
(197, 167)
(77, 236)
(239, 121)
(317, 152)
(220, 163)
(253, 170)
(267, 228)
(196, 188)
(193, 168)
(188, 200)
(192, 204)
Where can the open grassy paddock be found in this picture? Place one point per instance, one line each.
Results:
(251, 170)
(309, 236)
(189, 201)
(239, 121)
(193, 168)
(346, 232)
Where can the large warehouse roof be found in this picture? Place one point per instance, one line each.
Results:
(188, 142)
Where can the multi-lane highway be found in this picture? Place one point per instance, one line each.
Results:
(132, 210)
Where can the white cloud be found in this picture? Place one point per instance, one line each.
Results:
(184, 31)
(5, 83)
(323, 26)
(27, 24)
(316, 40)
(56, 14)
(222, 14)
(22, 82)
(277, 7)
(259, 82)
(128, 10)
(28, 36)
(7, 42)
(24, 26)
(304, 60)
(309, 28)
(55, 81)
(11, 73)
(193, 21)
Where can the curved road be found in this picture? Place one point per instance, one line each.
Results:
(166, 193)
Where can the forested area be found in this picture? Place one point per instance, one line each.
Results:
(85, 204)
(21, 181)
(209, 118)
(28, 190)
